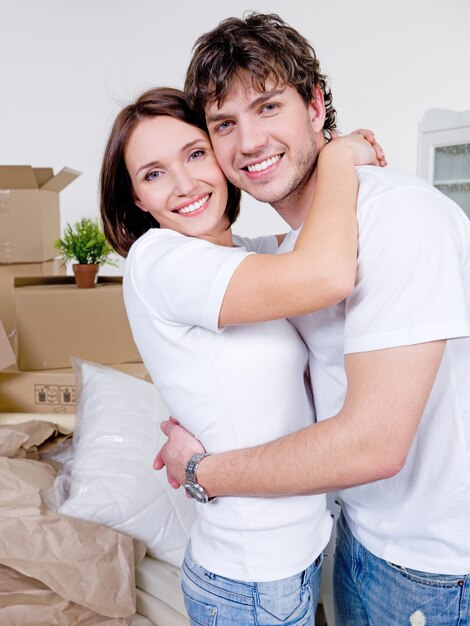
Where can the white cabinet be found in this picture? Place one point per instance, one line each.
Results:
(444, 153)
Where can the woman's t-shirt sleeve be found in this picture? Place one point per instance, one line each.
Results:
(182, 280)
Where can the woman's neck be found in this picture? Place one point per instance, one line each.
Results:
(222, 238)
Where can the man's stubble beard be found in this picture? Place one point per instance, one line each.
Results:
(305, 164)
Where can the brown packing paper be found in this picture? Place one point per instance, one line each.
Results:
(27, 602)
(82, 563)
(23, 440)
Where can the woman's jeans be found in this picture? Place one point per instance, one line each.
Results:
(213, 600)
(369, 591)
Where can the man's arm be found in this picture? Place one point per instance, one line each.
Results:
(368, 440)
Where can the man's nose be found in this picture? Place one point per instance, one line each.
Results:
(251, 137)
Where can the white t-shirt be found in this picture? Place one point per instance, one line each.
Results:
(232, 389)
(413, 286)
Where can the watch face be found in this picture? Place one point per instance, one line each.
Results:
(196, 492)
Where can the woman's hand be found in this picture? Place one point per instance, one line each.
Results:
(364, 147)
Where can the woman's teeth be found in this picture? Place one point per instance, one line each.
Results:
(259, 167)
(194, 206)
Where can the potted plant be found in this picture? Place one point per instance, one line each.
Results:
(86, 244)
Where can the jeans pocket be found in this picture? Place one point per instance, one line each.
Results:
(288, 602)
(427, 578)
(199, 612)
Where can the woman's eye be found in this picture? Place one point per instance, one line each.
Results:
(152, 175)
(196, 154)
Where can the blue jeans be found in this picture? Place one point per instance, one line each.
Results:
(213, 600)
(369, 591)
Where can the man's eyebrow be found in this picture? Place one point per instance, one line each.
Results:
(187, 146)
(267, 95)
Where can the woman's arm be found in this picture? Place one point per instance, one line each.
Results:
(321, 269)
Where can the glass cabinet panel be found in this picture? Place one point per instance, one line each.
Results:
(452, 173)
(444, 155)
(452, 163)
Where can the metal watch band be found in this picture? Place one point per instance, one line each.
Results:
(193, 488)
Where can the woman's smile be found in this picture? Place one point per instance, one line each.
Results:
(194, 208)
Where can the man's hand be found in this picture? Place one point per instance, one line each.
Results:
(176, 452)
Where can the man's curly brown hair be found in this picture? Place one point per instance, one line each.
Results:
(262, 46)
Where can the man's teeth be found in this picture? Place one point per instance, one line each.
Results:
(195, 205)
(259, 167)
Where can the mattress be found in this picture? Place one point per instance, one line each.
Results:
(140, 620)
(159, 595)
(158, 612)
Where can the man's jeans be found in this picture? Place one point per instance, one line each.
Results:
(369, 591)
(213, 600)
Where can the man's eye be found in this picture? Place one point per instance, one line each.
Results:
(270, 107)
(152, 175)
(223, 126)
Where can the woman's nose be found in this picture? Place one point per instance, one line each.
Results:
(184, 183)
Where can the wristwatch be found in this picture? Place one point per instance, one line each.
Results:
(193, 488)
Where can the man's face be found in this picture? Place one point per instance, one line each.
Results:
(266, 143)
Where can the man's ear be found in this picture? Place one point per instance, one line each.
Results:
(316, 110)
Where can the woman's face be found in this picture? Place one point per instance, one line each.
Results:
(176, 177)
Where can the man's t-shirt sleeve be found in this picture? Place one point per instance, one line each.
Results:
(266, 244)
(181, 279)
(413, 248)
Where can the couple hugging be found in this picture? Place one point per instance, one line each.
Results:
(369, 293)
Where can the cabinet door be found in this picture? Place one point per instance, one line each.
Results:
(445, 162)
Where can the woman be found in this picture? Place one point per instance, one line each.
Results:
(167, 205)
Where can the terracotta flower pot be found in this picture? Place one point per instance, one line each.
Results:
(85, 275)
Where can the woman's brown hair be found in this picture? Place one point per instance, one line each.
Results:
(123, 221)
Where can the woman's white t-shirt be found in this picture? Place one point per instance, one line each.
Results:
(233, 388)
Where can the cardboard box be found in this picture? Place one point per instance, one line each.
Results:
(8, 273)
(30, 212)
(56, 321)
(7, 356)
(48, 391)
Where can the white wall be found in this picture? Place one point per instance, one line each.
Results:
(68, 66)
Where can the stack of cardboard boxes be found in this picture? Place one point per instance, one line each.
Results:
(44, 318)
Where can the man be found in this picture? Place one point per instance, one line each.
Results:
(389, 365)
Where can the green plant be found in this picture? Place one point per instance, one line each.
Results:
(85, 242)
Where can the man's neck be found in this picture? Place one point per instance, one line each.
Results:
(295, 207)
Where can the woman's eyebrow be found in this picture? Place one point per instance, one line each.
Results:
(186, 146)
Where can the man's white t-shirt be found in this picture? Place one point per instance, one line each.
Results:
(413, 286)
(232, 389)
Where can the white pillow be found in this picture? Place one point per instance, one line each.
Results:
(110, 478)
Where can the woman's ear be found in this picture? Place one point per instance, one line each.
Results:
(139, 204)
(316, 110)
